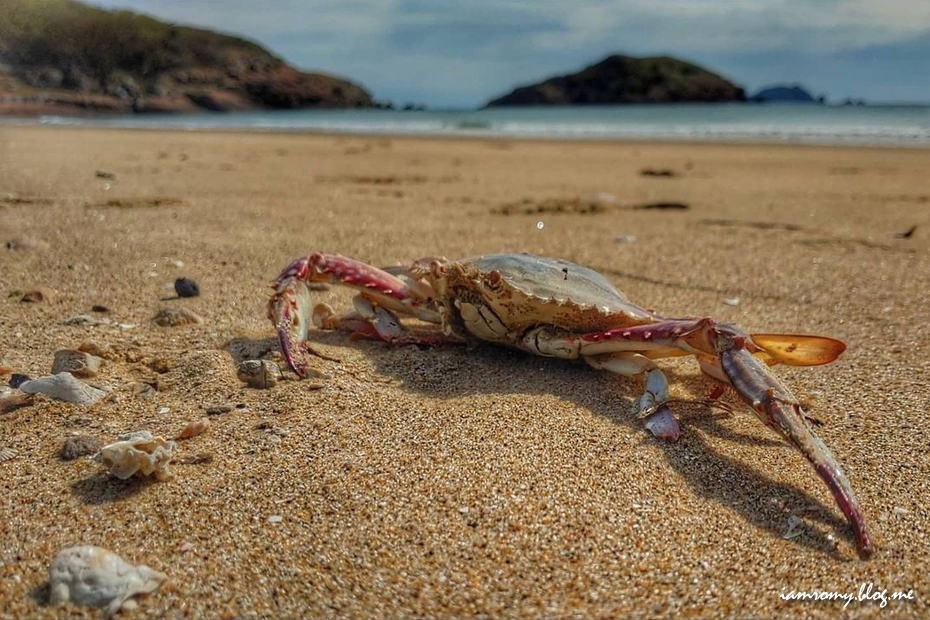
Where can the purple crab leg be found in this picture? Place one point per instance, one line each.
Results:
(780, 410)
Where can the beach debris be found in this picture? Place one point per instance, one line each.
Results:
(528, 206)
(662, 206)
(95, 577)
(138, 453)
(795, 528)
(217, 409)
(194, 459)
(85, 320)
(78, 446)
(78, 363)
(625, 239)
(105, 174)
(40, 295)
(731, 301)
(657, 172)
(175, 317)
(907, 234)
(28, 243)
(142, 389)
(259, 374)
(63, 386)
(510, 299)
(17, 380)
(185, 287)
(194, 428)
(12, 403)
(7, 454)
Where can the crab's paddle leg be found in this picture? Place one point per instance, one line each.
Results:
(658, 418)
(780, 410)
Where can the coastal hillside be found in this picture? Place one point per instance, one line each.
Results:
(60, 55)
(624, 79)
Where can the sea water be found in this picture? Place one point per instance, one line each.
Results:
(891, 125)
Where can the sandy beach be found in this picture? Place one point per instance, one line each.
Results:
(462, 481)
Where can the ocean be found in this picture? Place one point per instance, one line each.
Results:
(888, 125)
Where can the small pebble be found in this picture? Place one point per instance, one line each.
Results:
(99, 308)
(260, 374)
(218, 409)
(185, 287)
(84, 320)
(731, 301)
(195, 428)
(17, 380)
(81, 445)
(164, 410)
(175, 317)
(275, 519)
(105, 174)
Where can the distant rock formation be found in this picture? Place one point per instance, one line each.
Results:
(793, 94)
(624, 79)
(64, 57)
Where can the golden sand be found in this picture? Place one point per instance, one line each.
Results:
(462, 482)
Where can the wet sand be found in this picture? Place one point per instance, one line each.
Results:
(463, 482)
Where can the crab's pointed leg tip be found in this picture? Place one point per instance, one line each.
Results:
(662, 425)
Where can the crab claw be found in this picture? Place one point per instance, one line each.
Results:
(782, 412)
(289, 309)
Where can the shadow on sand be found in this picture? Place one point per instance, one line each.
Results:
(700, 465)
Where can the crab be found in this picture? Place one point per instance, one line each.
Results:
(555, 308)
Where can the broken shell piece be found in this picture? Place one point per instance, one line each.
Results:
(259, 373)
(78, 363)
(7, 454)
(174, 317)
(94, 576)
(194, 428)
(137, 453)
(63, 386)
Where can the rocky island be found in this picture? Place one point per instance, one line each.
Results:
(60, 56)
(625, 79)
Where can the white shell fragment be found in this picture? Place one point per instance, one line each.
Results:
(63, 386)
(138, 453)
(88, 575)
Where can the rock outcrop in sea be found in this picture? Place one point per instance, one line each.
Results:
(625, 79)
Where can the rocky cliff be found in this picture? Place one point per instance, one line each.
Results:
(624, 79)
(63, 56)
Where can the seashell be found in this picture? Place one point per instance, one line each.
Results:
(174, 317)
(138, 453)
(7, 454)
(94, 576)
(194, 428)
(63, 386)
(259, 373)
(78, 363)
(78, 446)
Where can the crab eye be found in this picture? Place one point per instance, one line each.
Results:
(493, 279)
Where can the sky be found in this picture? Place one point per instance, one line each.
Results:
(462, 53)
